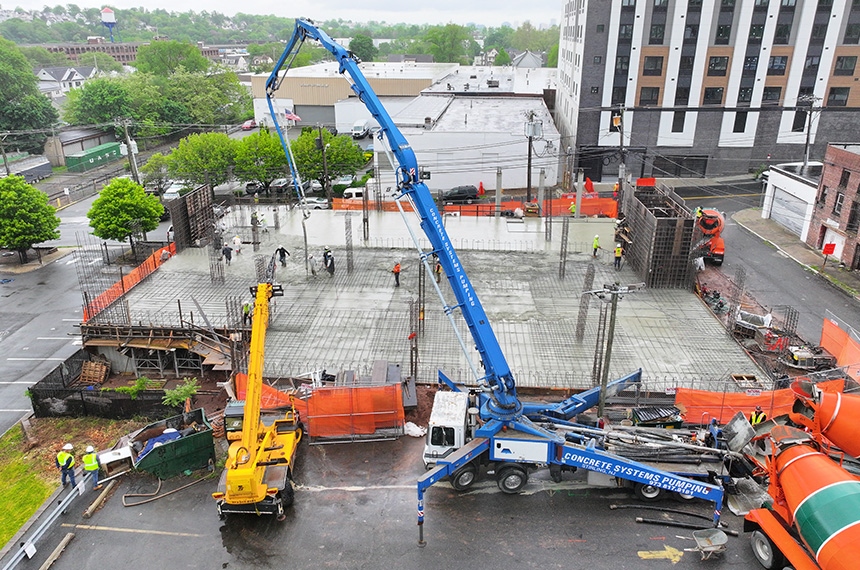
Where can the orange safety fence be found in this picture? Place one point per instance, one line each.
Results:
(560, 207)
(701, 407)
(838, 343)
(339, 411)
(127, 282)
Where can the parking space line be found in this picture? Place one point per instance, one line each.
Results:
(15, 411)
(131, 530)
(13, 358)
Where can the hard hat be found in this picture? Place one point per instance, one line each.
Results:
(68, 447)
(617, 245)
(596, 235)
(90, 449)
(758, 408)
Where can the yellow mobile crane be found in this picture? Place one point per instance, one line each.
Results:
(258, 475)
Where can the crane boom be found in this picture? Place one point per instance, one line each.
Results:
(504, 403)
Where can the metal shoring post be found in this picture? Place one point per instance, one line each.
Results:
(447, 308)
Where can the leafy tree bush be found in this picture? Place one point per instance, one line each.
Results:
(25, 216)
(121, 207)
(203, 159)
(167, 57)
(178, 395)
(363, 47)
(260, 158)
(343, 156)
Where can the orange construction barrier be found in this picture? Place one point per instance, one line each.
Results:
(701, 406)
(838, 343)
(560, 207)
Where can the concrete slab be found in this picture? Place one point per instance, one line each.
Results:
(352, 319)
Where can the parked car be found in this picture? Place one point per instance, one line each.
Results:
(170, 234)
(249, 125)
(314, 203)
(461, 195)
(368, 152)
(280, 184)
(253, 188)
(344, 180)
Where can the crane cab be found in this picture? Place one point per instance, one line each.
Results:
(448, 429)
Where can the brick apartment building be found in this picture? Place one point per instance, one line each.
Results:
(836, 216)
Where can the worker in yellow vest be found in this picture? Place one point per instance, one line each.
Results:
(595, 244)
(91, 466)
(66, 464)
(619, 251)
(757, 416)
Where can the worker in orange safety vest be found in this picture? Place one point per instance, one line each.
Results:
(396, 272)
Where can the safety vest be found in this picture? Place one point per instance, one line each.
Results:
(618, 251)
(62, 457)
(246, 308)
(573, 208)
(757, 417)
(397, 268)
(91, 461)
(596, 243)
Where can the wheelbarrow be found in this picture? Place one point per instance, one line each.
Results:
(709, 541)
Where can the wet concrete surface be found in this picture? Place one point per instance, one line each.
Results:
(356, 508)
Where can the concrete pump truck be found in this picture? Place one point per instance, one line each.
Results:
(513, 435)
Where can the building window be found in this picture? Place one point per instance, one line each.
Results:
(854, 218)
(598, 59)
(818, 31)
(661, 5)
(838, 97)
(685, 65)
(727, 3)
(845, 65)
(622, 64)
(600, 28)
(771, 94)
(805, 92)
(694, 5)
(595, 89)
(822, 198)
(653, 65)
(845, 178)
(783, 31)
(852, 34)
(713, 96)
(628, 3)
(788, 3)
(682, 96)
(657, 33)
(825, 5)
(750, 64)
(740, 122)
(812, 62)
(625, 32)
(619, 95)
(776, 64)
(724, 34)
(649, 96)
(761, 4)
(745, 94)
(718, 65)
(837, 204)
(691, 32)
(678, 121)
(799, 123)
(756, 33)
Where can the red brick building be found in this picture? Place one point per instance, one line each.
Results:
(836, 217)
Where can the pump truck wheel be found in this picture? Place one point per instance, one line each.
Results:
(464, 477)
(512, 478)
(647, 492)
(766, 552)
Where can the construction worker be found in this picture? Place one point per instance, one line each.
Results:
(282, 255)
(757, 416)
(698, 213)
(615, 191)
(66, 464)
(328, 261)
(573, 208)
(246, 313)
(91, 465)
(438, 271)
(396, 272)
(619, 251)
(596, 244)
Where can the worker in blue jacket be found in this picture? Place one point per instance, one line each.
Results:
(66, 464)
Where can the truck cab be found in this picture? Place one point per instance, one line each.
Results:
(360, 129)
(448, 429)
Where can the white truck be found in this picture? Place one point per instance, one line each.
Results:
(370, 188)
(360, 129)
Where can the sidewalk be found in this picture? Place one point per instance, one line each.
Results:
(790, 245)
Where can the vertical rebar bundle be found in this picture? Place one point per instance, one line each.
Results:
(562, 262)
(584, 301)
(347, 228)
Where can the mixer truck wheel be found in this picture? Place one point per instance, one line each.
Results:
(766, 552)
(512, 478)
(464, 477)
(647, 492)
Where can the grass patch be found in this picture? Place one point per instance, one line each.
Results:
(29, 474)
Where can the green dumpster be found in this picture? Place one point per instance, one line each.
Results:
(164, 453)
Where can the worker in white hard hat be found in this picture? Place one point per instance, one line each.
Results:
(619, 251)
(91, 466)
(595, 244)
(66, 464)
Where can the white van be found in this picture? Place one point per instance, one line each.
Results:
(353, 193)
(360, 129)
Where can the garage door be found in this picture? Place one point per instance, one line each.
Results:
(788, 211)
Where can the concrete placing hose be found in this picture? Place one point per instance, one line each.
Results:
(154, 496)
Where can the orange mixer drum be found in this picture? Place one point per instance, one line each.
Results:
(837, 413)
(823, 498)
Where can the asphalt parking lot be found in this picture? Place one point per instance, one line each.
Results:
(356, 508)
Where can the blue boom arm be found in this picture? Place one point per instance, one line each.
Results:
(504, 404)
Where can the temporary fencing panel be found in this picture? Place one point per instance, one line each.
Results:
(560, 207)
(840, 344)
(701, 406)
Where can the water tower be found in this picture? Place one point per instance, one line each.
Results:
(109, 21)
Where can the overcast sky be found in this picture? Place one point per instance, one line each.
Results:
(488, 12)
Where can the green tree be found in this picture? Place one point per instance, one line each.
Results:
(502, 58)
(166, 57)
(156, 173)
(103, 61)
(343, 156)
(260, 158)
(448, 43)
(122, 208)
(215, 99)
(25, 216)
(203, 159)
(363, 47)
(98, 101)
(23, 108)
(40, 57)
(500, 37)
(552, 57)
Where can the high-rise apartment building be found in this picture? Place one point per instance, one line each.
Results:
(706, 87)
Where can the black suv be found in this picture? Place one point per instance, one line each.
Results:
(461, 195)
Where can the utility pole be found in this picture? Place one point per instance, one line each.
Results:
(533, 129)
(132, 162)
(327, 184)
(618, 121)
(3, 151)
(810, 100)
